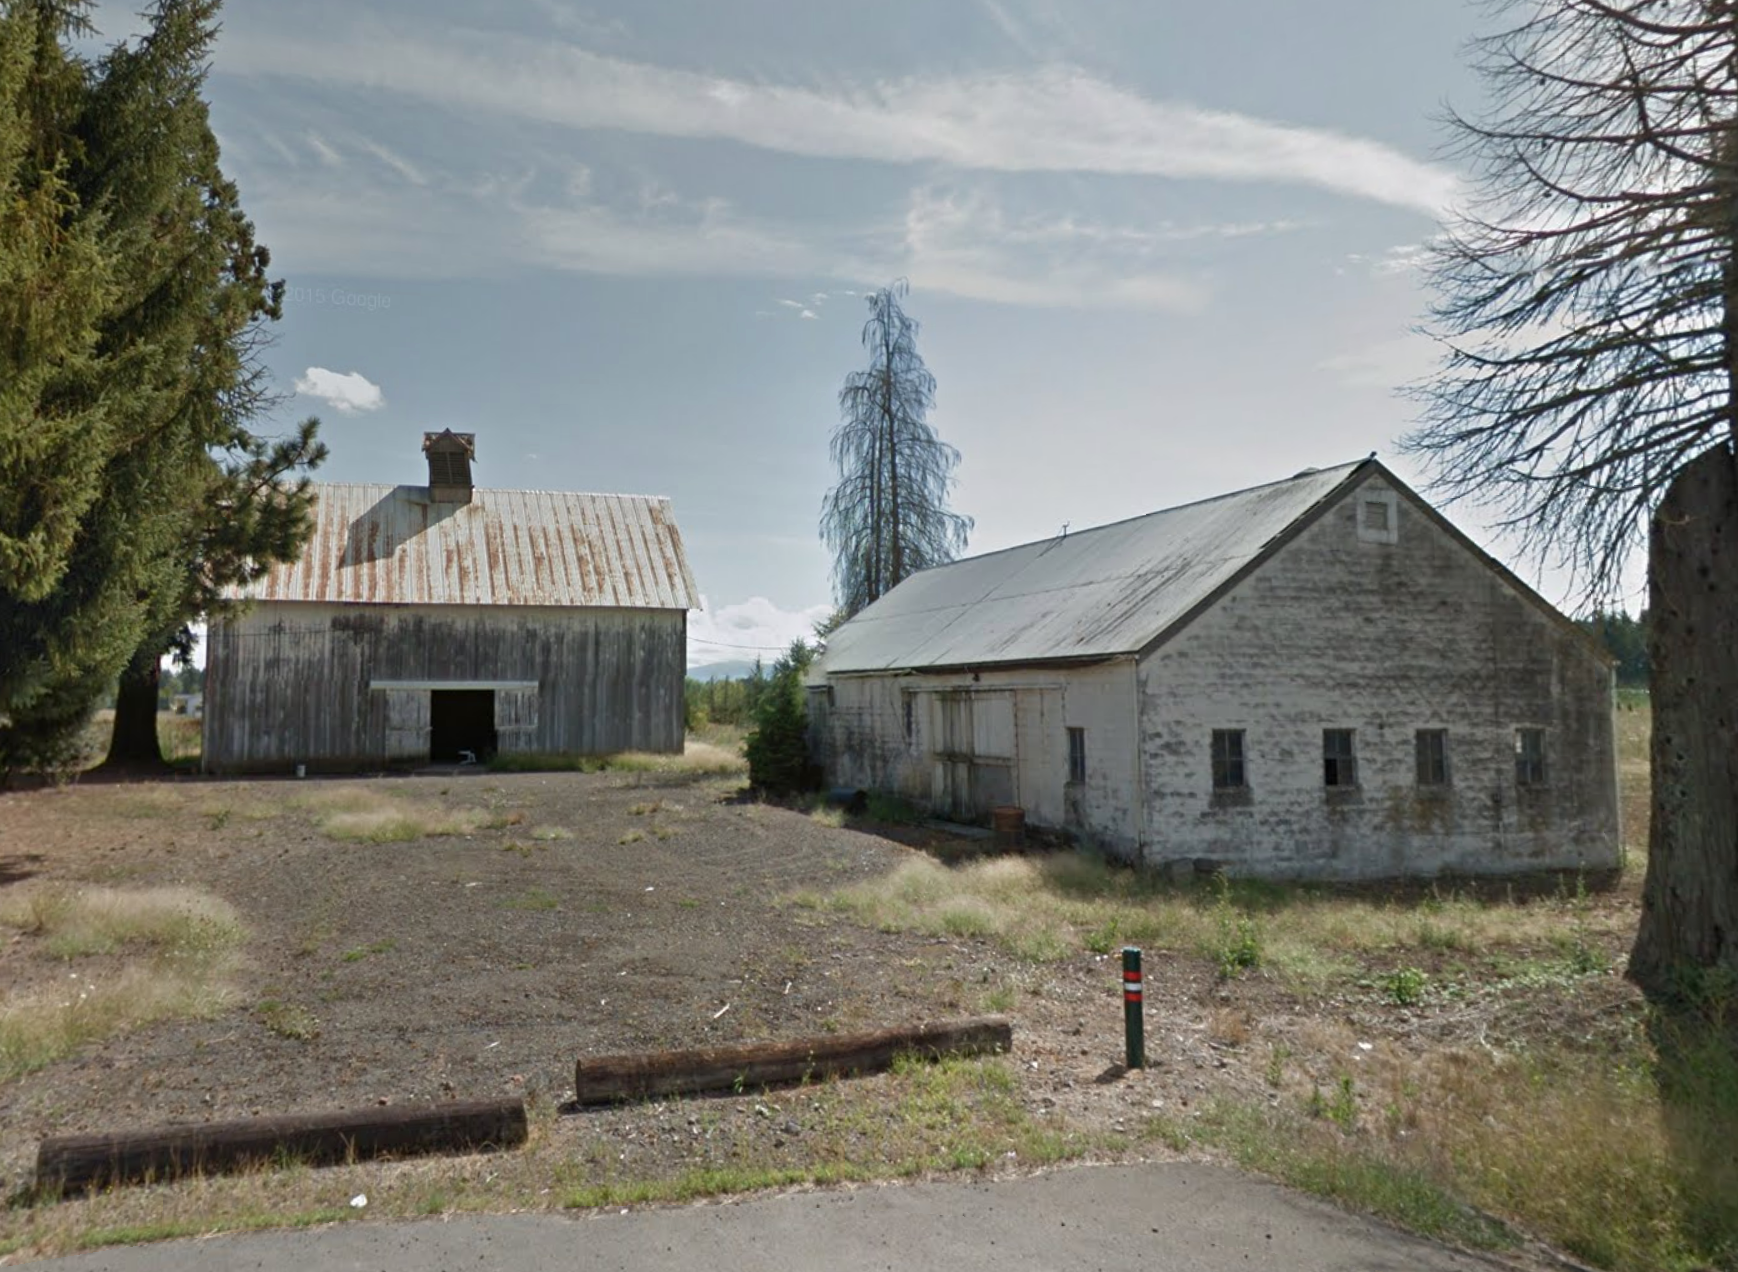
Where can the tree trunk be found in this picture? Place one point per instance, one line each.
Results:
(1689, 916)
(133, 744)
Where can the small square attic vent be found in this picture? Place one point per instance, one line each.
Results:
(449, 465)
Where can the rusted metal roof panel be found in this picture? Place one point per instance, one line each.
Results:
(1089, 594)
(391, 545)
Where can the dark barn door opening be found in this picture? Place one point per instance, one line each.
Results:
(461, 725)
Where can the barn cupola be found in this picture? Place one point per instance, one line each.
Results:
(449, 465)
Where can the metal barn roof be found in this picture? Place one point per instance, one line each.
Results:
(392, 545)
(1088, 594)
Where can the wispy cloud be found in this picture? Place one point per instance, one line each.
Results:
(744, 629)
(1394, 262)
(967, 244)
(348, 393)
(1053, 119)
(326, 153)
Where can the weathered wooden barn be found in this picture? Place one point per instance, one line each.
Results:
(444, 622)
(1317, 678)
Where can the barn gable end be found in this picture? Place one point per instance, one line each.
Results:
(448, 622)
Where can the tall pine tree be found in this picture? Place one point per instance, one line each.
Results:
(888, 517)
(184, 497)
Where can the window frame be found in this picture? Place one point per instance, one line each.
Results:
(1430, 772)
(1228, 754)
(1340, 769)
(1530, 768)
(1076, 755)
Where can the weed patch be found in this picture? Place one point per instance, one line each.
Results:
(288, 1020)
(173, 952)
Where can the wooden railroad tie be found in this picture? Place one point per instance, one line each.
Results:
(644, 1074)
(74, 1163)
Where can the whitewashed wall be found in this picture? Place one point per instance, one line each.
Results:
(861, 738)
(1343, 630)
(290, 682)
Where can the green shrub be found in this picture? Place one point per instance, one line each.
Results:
(1404, 986)
(778, 749)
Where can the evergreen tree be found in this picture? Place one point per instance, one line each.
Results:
(888, 517)
(57, 282)
(185, 499)
(778, 749)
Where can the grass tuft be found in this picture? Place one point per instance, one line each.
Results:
(176, 950)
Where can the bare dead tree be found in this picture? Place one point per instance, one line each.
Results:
(888, 516)
(1589, 313)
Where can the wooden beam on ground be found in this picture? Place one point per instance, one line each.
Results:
(642, 1074)
(73, 1163)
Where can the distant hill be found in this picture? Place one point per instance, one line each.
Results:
(737, 670)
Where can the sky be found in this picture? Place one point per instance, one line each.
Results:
(1158, 250)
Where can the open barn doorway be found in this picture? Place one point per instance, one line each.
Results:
(461, 725)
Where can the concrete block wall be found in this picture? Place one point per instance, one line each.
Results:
(1384, 634)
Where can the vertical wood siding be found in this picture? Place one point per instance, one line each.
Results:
(290, 682)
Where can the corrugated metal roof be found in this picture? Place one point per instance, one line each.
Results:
(1091, 593)
(391, 545)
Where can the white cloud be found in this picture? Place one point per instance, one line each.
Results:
(740, 631)
(1053, 119)
(1394, 262)
(348, 393)
(961, 241)
(327, 155)
(402, 166)
(968, 245)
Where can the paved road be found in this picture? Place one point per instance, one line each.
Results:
(1169, 1218)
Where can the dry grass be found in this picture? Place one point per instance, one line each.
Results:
(371, 815)
(1055, 906)
(698, 759)
(1575, 1147)
(717, 755)
(151, 955)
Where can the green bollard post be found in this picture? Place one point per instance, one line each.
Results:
(1134, 1029)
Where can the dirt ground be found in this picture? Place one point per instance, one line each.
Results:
(594, 913)
(486, 963)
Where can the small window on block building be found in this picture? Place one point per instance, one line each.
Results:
(1228, 771)
(1529, 757)
(1432, 754)
(1339, 760)
(1076, 755)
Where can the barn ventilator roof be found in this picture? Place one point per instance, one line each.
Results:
(393, 545)
(1089, 594)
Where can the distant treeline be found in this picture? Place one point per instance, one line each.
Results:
(1625, 638)
(733, 702)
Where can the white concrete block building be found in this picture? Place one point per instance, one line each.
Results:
(1316, 678)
